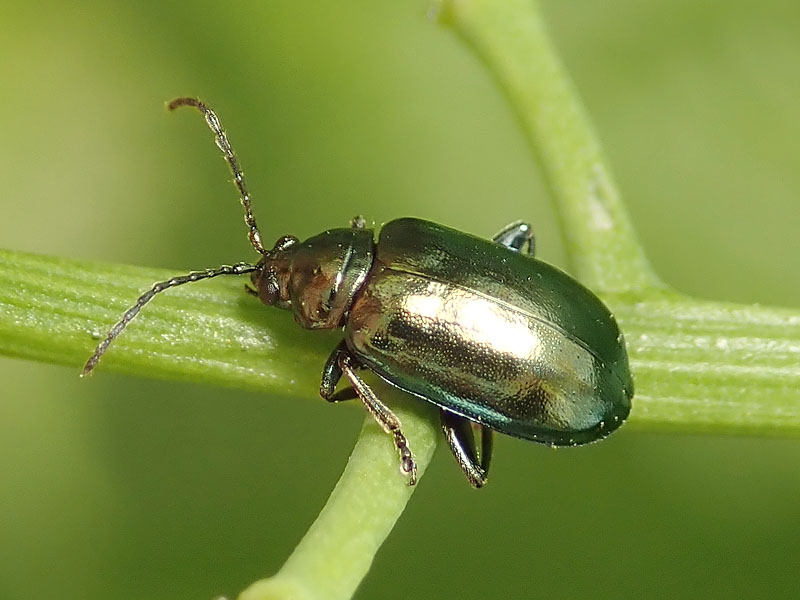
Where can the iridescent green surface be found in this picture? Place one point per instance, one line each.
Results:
(135, 488)
(494, 335)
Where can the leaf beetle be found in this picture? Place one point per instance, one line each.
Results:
(497, 339)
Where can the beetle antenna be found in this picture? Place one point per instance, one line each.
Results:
(238, 175)
(237, 269)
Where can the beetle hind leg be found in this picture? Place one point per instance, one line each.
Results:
(460, 436)
(516, 236)
(388, 421)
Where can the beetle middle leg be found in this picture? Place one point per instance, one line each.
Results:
(358, 222)
(460, 436)
(345, 365)
(515, 236)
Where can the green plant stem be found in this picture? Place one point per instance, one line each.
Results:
(337, 551)
(511, 39)
(703, 366)
(696, 362)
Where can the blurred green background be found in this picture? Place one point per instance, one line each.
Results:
(129, 488)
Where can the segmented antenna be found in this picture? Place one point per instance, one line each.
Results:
(237, 269)
(238, 175)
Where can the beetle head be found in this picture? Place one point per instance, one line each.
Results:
(317, 278)
(270, 276)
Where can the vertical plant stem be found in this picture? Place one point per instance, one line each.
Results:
(509, 36)
(337, 551)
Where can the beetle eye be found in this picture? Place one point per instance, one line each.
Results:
(267, 285)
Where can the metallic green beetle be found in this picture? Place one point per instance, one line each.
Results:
(495, 338)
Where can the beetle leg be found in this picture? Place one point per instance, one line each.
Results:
(382, 414)
(461, 438)
(515, 236)
(487, 446)
(331, 374)
(358, 222)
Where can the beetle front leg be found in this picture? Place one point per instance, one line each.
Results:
(461, 438)
(331, 374)
(382, 414)
(515, 236)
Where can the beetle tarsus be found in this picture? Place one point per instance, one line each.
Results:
(380, 412)
(407, 463)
